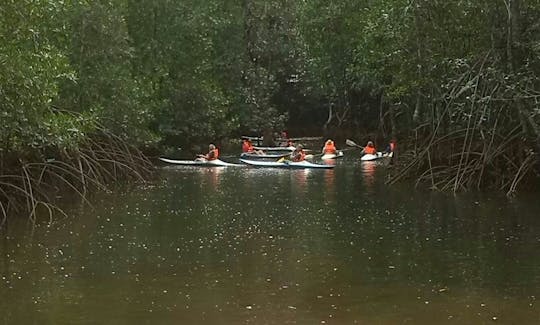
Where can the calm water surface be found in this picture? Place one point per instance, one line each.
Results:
(271, 246)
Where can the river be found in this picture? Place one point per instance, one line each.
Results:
(269, 246)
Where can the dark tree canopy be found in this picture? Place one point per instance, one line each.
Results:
(459, 75)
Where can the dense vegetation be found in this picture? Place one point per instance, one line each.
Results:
(458, 79)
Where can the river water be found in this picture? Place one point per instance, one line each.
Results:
(270, 246)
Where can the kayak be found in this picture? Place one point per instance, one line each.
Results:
(291, 148)
(266, 155)
(285, 164)
(332, 155)
(378, 155)
(208, 163)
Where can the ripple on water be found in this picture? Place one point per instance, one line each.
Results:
(259, 245)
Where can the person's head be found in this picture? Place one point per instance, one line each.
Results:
(329, 142)
(370, 144)
(299, 147)
(211, 146)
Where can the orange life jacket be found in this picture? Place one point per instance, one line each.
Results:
(329, 148)
(245, 146)
(370, 150)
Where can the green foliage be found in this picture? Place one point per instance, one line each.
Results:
(198, 71)
(31, 66)
(100, 53)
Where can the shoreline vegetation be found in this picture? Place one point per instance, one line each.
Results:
(32, 181)
(87, 87)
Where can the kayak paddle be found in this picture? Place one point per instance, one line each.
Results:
(352, 144)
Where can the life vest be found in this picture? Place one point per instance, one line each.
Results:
(370, 150)
(329, 147)
(213, 154)
(246, 146)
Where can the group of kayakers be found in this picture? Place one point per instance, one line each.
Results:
(298, 154)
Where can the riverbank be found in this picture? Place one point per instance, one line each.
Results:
(454, 164)
(32, 183)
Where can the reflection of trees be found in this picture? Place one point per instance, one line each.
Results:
(257, 243)
(444, 241)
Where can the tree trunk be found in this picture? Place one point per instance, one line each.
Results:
(248, 30)
(392, 114)
(420, 62)
(417, 107)
(330, 117)
(381, 115)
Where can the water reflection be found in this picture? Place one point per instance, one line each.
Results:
(329, 186)
(368, 172)
(213, 175)
(329, 161)
(264, 246)
(299, 180)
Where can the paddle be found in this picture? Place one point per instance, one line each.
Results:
(311, 156)
(351, 143)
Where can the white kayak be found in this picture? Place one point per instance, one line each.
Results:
(284, 164)
(378, 155)
(332, 155)
(291, 148)
(201, 162)
(266, 155)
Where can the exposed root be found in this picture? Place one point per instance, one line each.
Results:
(484, 142)
(29, 187)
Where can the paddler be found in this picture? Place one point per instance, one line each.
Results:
(247, 147)
(298, 154)
(213, 153)
(369, 149)
(391, 146)
(329, 147)
(289, 143)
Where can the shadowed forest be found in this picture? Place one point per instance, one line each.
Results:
(89, 89)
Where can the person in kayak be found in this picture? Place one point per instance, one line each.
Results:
(289, 143)
(213, 153)
(391, 146)
(369, 149)
(247, 147)
(329, 147)
(298, 154)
